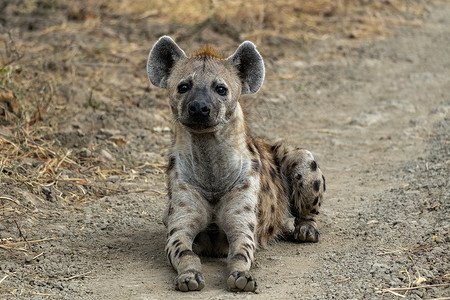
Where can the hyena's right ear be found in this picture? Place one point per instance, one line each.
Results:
(164, 54)
(250, 65)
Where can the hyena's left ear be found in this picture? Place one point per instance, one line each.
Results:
(250, 65)
(164, 54)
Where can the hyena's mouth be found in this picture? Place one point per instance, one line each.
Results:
(200, 121)
(200, 125)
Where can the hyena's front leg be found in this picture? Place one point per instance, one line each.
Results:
(307, 186)
(185, 217)
(238, 219)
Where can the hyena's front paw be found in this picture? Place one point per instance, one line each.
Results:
(305, 232)
(189, 280)
(241, 282)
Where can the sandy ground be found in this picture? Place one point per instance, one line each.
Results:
(375, 114)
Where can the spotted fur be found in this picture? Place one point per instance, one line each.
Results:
(229, 193)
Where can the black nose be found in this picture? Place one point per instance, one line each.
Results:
(198, 109)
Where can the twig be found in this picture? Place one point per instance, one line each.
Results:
(11, 248)
(62, 160)
(23, 236)
(409, 281)
(77, 276)
(396, 294)
(64, 199)
(14, 201)
(29, 242)
(419, 279)
(36, 256)
(415, 287)
(1, 280)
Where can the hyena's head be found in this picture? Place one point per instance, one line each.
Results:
(204, 88)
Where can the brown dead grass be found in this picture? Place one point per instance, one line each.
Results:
(297, 20)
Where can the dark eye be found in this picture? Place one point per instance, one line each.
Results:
(183, 88)
(221, 90)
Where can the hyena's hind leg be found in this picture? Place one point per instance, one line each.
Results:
(306, 185)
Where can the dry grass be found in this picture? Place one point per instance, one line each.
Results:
(258, 19)
(297, 20)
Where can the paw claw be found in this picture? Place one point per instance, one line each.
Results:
(200, 280)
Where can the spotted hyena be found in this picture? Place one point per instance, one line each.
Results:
(229, 193)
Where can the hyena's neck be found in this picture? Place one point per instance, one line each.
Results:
(213, 161)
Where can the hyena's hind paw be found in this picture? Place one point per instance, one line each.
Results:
(305, 232)
(241, 282)
(189, 280)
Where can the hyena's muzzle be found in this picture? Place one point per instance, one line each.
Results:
(199, 110)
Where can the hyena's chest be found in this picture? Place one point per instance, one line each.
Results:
(214, 174)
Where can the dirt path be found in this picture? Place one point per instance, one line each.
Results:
(375, 114)
(365, 114)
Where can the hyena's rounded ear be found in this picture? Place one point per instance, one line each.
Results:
(250, 65)
(164, 54)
